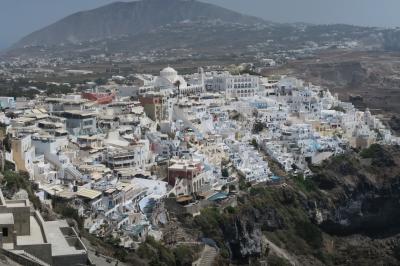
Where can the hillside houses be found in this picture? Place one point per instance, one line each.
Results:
(124, 160)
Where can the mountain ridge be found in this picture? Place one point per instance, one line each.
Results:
(130, 18)
(182, 29)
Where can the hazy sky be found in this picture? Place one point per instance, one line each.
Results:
(20, 17)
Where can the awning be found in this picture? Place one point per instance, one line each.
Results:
(184, 198)
(218, 196)
(88, 193)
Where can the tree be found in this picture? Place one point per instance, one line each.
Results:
(254, 143)
(101, 81)
(225, 172)
(177, 84)
(258, 127)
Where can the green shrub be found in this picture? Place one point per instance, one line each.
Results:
(15, 181)
(243, 185)
(156, 253)
(184, 256)
(225, 172)
(61, 206)
(9, 166)
(120, 254)
(230, 209)
(326, 258)
(339, 109)
(145, 251)
(310, 233)
(380, 157)
(274, 260)
(306, 184)
(258, 127)
(210, 222)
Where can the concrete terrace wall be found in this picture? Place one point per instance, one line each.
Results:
(69, 260)
(40, 251)
(41, 222)
(173, 206)
(20, 259)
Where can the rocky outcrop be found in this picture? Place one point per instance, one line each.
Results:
(362, 195)
(370, 209)
(244, 239)
(394, 123)
(244, 235)
(340, 216)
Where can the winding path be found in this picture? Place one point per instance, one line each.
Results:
(207, 257)
(281, 252)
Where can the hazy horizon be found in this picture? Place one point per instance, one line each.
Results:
(21, 17)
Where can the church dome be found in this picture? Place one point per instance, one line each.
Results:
(168, 71)
(168, 77)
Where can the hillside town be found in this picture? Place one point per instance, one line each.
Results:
(129, 158)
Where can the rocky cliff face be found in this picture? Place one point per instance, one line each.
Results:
(348, 213)
(244, 239)
(244, 235)
(363, 193)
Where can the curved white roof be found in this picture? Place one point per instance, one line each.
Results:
(168, 77)
(168, 70)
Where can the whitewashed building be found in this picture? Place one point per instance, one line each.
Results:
(233, 85)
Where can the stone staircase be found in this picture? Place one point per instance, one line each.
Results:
(73, 171)
(24, 258)
(207, 256)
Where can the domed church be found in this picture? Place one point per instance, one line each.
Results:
(169, 79)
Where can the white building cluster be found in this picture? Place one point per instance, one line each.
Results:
(118, 154)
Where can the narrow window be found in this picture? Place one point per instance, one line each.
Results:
(5, 231)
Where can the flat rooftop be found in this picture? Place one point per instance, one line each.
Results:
(6, 218)
(35, 237)
(84, 113)
(59, 243)
(17, 203)
(88, 193)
